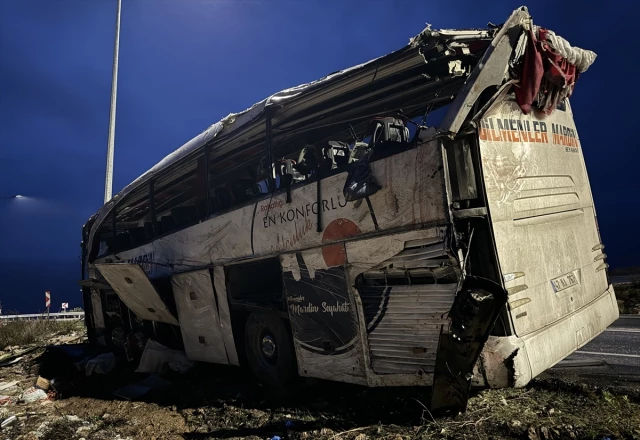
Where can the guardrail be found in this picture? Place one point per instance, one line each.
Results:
(64, 316)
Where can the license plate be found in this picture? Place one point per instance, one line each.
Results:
(564, 282)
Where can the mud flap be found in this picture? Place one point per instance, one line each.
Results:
(472, 316)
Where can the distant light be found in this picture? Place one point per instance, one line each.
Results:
(15, 196)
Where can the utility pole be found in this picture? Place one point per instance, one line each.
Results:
(108, 182)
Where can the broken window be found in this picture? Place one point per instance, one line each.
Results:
(105, 237)
(179, 196)
(462, 175)
(234, 182)
(132, 220)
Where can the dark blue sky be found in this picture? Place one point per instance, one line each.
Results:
(185, 64)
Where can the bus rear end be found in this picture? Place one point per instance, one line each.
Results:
(546, 235)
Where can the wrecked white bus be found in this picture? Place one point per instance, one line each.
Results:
(334, 231)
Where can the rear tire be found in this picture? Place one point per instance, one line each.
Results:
(270, 351)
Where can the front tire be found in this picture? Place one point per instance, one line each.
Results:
(270, 351)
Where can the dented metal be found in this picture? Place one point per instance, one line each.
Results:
(466, 255)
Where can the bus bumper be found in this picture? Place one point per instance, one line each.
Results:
(514, 361)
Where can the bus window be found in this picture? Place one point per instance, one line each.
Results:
(179, 196)
(234, 183)
(132, 214)
(336, 155)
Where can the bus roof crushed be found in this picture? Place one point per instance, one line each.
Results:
(408, 78)
(436, 68)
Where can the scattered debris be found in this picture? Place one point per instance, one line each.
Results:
(11, 361)
(8, 421)
(34, 394)
(156, 358)
(43, 383)
(101, 364)
(218, 402)
(8, 385)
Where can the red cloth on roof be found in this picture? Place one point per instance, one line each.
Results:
(547, 77)
(531, 77)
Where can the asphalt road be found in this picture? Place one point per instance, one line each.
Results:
(612, 358)
(617, 345)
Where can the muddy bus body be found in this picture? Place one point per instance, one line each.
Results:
(330, 231)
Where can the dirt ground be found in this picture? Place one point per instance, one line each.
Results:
(213, 402)
(217, 402)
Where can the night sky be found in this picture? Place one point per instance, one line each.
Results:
(186, 64)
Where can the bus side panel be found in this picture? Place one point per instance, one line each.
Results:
(543, 221)
(401, 318)
(412, 195)
(324, 323)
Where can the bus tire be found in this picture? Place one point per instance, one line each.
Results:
(270, 353)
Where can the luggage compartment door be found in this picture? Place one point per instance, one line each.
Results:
(202, 324)
(136, 291)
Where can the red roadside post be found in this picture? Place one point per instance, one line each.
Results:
(47, 301)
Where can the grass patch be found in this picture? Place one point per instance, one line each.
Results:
(61, 429)
(19, 333)
(628, 296)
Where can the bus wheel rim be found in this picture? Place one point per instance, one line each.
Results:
(269, 347)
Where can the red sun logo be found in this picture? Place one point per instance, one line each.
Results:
(338, 229)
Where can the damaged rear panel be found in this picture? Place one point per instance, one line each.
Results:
(334, 231)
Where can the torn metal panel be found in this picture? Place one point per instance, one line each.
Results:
(503, 363)
(136, 291)
(224, 315)
(364, 255)
(405, 300)
(404, 324)
(382, 308)
(490, 71)
(198, 315)
(323, 320)
(474, 312)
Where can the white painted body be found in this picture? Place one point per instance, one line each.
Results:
(544, 225)
(410, 206)
(539, 213)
